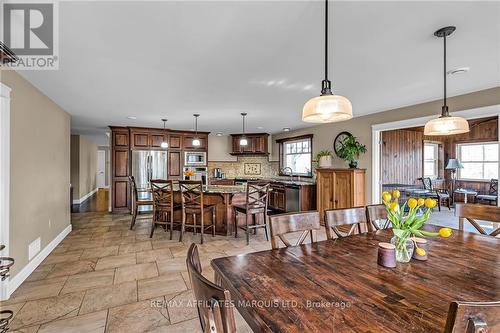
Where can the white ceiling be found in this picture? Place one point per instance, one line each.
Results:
(172, 59)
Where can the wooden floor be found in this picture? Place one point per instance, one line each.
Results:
(99, 202)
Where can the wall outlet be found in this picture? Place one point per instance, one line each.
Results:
(34, 248)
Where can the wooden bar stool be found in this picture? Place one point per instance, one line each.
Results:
(163, 205)
(135, 200)
(192, 204)
(255, 204)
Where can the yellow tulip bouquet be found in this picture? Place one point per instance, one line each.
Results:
(409, 225)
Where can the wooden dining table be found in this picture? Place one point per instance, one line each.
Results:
(337, 285)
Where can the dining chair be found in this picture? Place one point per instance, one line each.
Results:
(352, 218)
(256, 203)
(473, 317)
(193, 205)
(214, 305)
(472, 213)
(136, 203)
(282, 224)
(377, 216)
(438, 194)
(163, 205)
(492, 195)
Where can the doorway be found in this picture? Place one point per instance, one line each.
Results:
(101, 169)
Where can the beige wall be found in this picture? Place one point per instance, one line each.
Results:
(39, 167)
(361, 126)
(83, 165)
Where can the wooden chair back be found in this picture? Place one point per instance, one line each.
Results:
(215, 308)
(257, 196)
(473, 317)
(163, 195)
(192, 194)
(282, 224)
(378, 213)
(353, 217)
(427, 183)
(493, 187)
(472, 213)
(133, 188)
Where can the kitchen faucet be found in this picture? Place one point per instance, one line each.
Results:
(291, 172)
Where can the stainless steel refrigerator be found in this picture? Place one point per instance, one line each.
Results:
(147, 165)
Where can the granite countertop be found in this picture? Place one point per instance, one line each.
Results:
(282, 180)
(216, 189)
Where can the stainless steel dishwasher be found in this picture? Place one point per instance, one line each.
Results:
(292, 195)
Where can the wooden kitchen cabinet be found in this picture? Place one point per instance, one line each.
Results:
(188, 141)
(257, 144)
(277, 197)
(339, 188)
(120, 159)
(175, 164)
(175, 141)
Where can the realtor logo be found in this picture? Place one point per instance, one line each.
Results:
(30, 31)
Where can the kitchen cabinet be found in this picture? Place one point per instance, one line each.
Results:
(339, 188)
(257, 144)
(140, 139)
(277, 197)
(143, 138)
(292, 197)
(175, 164)
(221, 181)
(188, 141)
(120, 159)
(175, 141)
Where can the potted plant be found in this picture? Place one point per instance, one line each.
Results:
(407, 226)
(324, 159)
(350, 151)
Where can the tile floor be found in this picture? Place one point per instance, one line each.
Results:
(105, 278)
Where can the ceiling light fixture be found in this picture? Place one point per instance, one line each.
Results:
(446, 124)
(327, 108)
(243, 139)
(132, 117)
(219, 134)
(196, 141)
(286, 129)
(164, 143)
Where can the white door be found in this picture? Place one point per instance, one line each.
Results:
(101, 169)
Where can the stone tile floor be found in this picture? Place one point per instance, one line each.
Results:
(104, 277)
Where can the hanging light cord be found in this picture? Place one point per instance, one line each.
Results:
(243, 124)
(326, 40)
(445, 107)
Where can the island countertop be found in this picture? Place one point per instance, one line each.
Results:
(216, 189)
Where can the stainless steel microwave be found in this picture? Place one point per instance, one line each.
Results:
(195, 158)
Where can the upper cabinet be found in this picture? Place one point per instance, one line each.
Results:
(256, 144)
(188, 141)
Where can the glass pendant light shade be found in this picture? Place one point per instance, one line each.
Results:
(446, 126)
(164, 145)
(327, 109)
(243, 141)
(196, 142)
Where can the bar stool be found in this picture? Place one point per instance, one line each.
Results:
(192, 204)
(255, 204)
(136, 202)
(163, 205)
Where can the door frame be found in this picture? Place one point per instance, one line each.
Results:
(487, 111)
(4, 178)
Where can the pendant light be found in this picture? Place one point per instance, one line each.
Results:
(327, 108)
(243, 139)
(196, 140)
(164, 143)
(446, 124)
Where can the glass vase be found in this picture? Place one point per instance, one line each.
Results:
(404, 248)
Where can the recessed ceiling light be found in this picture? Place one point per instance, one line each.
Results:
(132, 117)
(260, 127)
(460, 70)
(219, 134)
(286, 129)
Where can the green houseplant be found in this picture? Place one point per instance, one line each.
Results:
(324, 159)
(350, 151)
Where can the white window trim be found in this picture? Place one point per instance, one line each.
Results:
(435, 160)
(457, 148)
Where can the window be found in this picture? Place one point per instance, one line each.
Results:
(479, 160)
(431, 159)
(296, 153)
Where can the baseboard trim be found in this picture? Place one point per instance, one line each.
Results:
(85, 197)
(15, 282)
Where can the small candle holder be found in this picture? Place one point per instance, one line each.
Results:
(420, 243)
(386, 255)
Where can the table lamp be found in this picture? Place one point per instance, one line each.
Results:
(453, 165)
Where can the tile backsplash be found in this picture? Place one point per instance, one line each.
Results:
(247, 167)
